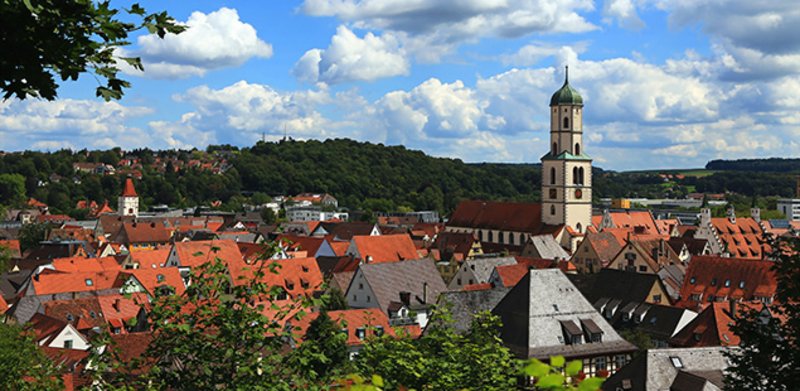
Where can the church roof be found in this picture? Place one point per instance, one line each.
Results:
(566, 95)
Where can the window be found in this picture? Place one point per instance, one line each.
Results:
(379, 330)
(160, 278)
(656, 298)
(67, 344)
(360, 285)
(693, 280)
(491, 236)
(70, 318)
(89, 282)
(553, 174)
(361, 333)
(553, 194)
(555, 149)
(579, 227)
(642, 268)
(600, 363)
(368, 299)
(355, 298)
(575, 175)
(741, 284)
(676, 362)
(552, 210)
(713, 282)
(727, 283)
(566, 122)
(577, 148)
(458, 281)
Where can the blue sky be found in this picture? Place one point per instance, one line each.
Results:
(666, 83)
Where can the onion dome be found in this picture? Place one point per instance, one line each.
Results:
(566, 95)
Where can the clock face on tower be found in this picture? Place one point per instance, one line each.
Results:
(578, 193)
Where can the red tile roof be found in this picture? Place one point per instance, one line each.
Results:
(142, 232)
(506, 216)
(339, 248)
(478, 287)
(745, 279)
(193, 254)
(80, 264)
(369, 319)
(711, 327)
(743, 238)
(153, 279)
(510, 275)
(51, 282)
(150, 259)
(128, 190)
(301, 243)
(631, 219)
(83, 313)
(298, 276)
(118, 309)
(385, 248)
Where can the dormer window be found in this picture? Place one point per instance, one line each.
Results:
(378, 330)
(361, 333)
(727, 283)
(89, 282)
(572, 333)
(741, 284)
(693, 280)
(160, 278)
(676, 362)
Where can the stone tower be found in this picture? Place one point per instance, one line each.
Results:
(129, 200)
(566, 169)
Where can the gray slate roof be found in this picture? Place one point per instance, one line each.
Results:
(464, 304)
(657, 370)
(533, 311)
(482, 267)
(388, 279)
(547, 247)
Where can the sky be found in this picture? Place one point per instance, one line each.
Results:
(665, 83)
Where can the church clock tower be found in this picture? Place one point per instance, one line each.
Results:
(566, 169)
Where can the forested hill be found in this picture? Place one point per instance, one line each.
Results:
(756, 165)
(377, 177)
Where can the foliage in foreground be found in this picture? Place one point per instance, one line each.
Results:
(768, 357)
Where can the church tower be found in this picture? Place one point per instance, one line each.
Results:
(566, 169)
(129, 200)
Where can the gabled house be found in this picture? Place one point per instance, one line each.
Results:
(396, 288)
(672, 369)
(509, 275)
(544, 315)
(739, 237)
(464, 304)
(711, 327)
(644, 256)
(596, 251)
(53, 333)
(360, 324)
(711, 279)
(143, 236)
(188, 255)
(686, 247)
(477, 271)
(457, 246)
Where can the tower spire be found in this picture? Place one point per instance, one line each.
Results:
(566, 74)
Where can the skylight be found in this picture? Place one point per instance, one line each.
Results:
(676, 362)
(89, 282)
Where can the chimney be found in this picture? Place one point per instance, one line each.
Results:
(368, 259)
(732, 307)
(115, 304)
(425, 292)
(756, 214)
(732, 214)
(405, 298)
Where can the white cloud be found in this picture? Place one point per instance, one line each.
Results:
(624, 11)
(431, 29)
(350, 58)
(212, 41)
(69, 122)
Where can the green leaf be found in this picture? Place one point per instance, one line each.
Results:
(536, 369)
(591, 384)
(377, 381)
(574, 367)
(552, 380)
(557, 361)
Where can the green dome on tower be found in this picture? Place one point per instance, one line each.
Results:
(566, 95)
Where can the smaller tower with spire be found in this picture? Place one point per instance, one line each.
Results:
(129, 200)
